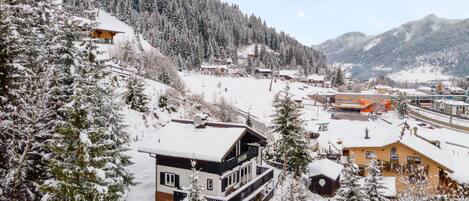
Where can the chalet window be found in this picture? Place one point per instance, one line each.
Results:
(369, 154)
(169, 179)
(394, 156)
(209, 184)
(246, 173)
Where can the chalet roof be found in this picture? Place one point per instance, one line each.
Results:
(316, 77)
(325, 167)
(409, 140)
(263, 70)
(103, 26)
(180, 138)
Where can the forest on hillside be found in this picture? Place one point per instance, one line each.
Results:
(193, 31)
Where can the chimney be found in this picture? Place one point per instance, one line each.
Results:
(366, 133)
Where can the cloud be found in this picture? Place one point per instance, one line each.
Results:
(301, 13)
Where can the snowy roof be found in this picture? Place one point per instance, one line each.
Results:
(290, 73)
(453, 102)
(382, 87)
(325, 167)
(180, 138)
(316, 77)
(101, 25)
(413, 142)
(264, 70)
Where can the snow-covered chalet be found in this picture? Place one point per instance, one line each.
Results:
(228, 157)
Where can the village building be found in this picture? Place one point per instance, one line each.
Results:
(452, 107)
(383, 89)
(214, 70)
(362, 102)
(263, 72)
(316, 80)
(104, 36)
(400, 153)
(427, 90)
(324, 177)
(456, 90)
(228, 157)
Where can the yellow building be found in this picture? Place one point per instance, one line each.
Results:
(398, 154)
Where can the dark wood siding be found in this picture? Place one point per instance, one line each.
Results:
(184, 163)
(329, 189)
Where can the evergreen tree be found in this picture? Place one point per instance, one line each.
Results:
(194, 189)
(291, 188)
(224, 111)
(291, 149)
(416, 181)
(350, 188)
(338, 79)
(135, 96)
(374, 184)
(402, 105)
(88, 161)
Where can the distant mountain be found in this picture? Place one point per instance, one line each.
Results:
(421, 50)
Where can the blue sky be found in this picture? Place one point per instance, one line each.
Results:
(314, 21)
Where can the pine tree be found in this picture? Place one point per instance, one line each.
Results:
(88, 161)
(338, 79)
(291, 149)
(402, 105)
(416, 181)
(350, 188)
(291, 188)
(374, 184)
(135, 96)
(194, 189)
(28, 115)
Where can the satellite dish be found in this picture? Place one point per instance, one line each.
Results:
(322, 182)
(200, 120)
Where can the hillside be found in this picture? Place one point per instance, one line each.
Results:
(426, 49)
(193, 31)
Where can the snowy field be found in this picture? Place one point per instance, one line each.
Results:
(246, 93)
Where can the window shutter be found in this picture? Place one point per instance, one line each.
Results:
(162, 178)
(176, 182)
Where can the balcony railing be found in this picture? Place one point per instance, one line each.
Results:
(239, 194)
(401, 168)
(235, 161)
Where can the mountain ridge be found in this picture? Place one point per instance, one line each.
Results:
(438, 44)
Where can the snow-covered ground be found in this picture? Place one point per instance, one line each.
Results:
(441, 117)
(419, 74)
(247, 93)
(253, 93)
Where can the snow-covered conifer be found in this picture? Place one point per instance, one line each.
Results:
(374, 184)
(291, 148)
(194, 189)
(135, 95)
(350, 187)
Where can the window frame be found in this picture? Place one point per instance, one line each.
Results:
(210, 184)
(167, 179)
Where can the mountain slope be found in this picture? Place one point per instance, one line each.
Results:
(193, 31)
(433, 47)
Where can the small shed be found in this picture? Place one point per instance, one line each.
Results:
(324, 177)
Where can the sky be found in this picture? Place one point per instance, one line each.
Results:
(315, 21)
